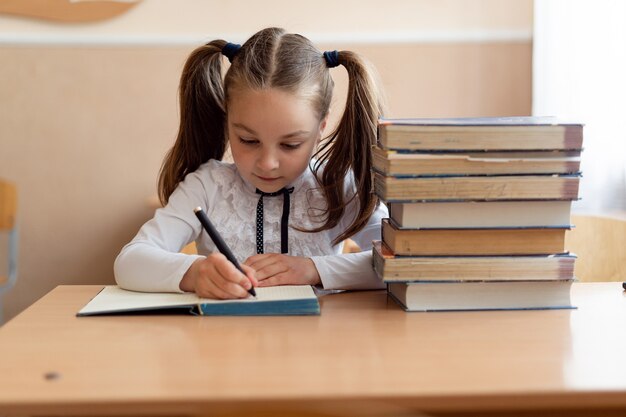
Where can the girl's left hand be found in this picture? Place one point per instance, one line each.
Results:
(278, 269)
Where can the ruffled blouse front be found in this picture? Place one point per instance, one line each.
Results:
(152, 262)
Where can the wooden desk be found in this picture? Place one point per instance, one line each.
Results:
(363, 356)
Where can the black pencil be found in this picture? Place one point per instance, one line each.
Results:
(219, 242)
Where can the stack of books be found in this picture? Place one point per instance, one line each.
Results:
(479, 209)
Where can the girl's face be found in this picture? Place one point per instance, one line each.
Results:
(272, 135)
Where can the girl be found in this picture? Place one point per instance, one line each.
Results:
(286, 204)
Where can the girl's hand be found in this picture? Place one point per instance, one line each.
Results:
(278, 269)
(216, 277)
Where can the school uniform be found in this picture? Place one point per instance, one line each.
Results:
(152, 260)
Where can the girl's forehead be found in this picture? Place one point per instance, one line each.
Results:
(268, 94)
(273, 101)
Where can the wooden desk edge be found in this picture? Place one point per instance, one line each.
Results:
(597, 403)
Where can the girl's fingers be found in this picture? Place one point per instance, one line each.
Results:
(231, 289)
(251, 274)
(230, 280)
(254, 258)
(208, 289)
(271, 270)
(225, 279)
(267, 265)
(229, 272)
(205, 287)
(260, 260)
(279, 279)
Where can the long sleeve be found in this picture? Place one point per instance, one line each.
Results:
(151, 261)
(354, 270)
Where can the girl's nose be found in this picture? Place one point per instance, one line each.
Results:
(268, 161)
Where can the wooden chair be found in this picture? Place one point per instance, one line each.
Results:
(600, 243)
(8, 226)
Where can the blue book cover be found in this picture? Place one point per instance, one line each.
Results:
(270, 301)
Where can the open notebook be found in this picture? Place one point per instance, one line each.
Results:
(270, 301)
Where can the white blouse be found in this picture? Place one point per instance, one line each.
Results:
(152, 260)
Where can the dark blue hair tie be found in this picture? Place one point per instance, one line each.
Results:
(230, 50)
(332, 58)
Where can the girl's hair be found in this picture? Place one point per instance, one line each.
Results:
(274, 59)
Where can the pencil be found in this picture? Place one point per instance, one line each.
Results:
(219, 242)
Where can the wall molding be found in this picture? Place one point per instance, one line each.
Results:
(164, 40)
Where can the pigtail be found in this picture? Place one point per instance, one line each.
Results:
(274, 59)
(201, 134)
(349, 148)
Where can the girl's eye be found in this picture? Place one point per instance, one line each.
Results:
(291, 146)
(248, 141)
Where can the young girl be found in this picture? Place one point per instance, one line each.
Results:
(286, 204)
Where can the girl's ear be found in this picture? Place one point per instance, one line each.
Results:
(323, 127)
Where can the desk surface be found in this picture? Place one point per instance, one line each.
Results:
(363, 355)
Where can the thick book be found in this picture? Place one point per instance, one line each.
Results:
(486, 241)
(397, 268)
(512, 295)
(269, 301)
(485, 163)
(491, 133)
(458, 188)
(450, 214)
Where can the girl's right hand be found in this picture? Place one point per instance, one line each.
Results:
(216, 277)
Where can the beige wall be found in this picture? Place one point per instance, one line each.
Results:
(83, 129)
(180, 19)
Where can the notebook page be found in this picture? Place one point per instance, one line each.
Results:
(113, 298)
(283, 292)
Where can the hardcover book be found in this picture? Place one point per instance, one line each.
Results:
(458, 188)
(465, 163)
(449, 214)
(512, 295)
(494, 134)
(269, 301)
(397, 268)
(486, 241)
